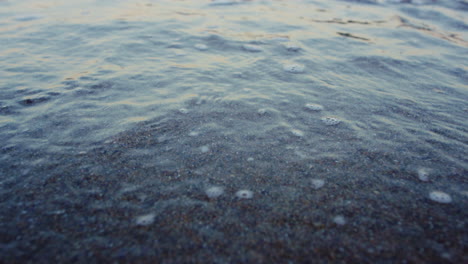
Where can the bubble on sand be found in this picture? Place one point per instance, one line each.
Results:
(339, 220)
(244, 194)
(294, 68)
(330, 120)
(194, 134)
(145, 220)
(291, 46)
(440, 197)
(251, 48)
(314, 107)
(214, 192)
(423, 174)
(204, 149)
(183, 111)
(317, 183)
(297, 132)
(201, 47)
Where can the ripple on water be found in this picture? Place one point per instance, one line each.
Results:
(291, 46)
(251, 48)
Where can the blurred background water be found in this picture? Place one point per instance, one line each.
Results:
(347, 120)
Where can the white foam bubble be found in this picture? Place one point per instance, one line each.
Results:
(297, 132)
(252, 48)
(204, 149)
(201, 47)
(244, 194)
(440, 197)
(330, 120)
(294, 68)
(194, 134)
(339, 220)
(317, 183)
(314, 107)
(250, 159)
(262, 111)
(183, 111)
(146, 219)
(214, 192)
(423, 174)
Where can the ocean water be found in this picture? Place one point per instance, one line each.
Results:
(234, 131)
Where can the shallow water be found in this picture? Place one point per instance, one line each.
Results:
(234, 131)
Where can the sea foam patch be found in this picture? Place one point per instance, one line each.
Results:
(294, 68)
(214, 192)
(440, 197)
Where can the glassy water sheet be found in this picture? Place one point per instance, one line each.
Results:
(233, 131)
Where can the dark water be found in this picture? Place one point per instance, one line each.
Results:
(128, 129)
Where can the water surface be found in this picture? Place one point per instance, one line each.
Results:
(233, 131)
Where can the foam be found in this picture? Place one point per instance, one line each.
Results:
(440, 197)
(297, 132)
(314, 107)
(244, 194)
(204, 149)
(214, 192)
(331, 120)
(423, 174)
(339, 220)
(317, 183)
(145, 220)
(294, 68)
(201, 47)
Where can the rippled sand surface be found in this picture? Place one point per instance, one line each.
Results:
(234, 131)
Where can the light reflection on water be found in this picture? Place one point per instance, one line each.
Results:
(114, 121)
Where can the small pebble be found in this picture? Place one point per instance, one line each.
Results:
(330, 120)
(440, 197)
(317, 183)
(314, 107)
(251, 48)
(145, 220)
(214, 192)
(294, 68)
(244, 194)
